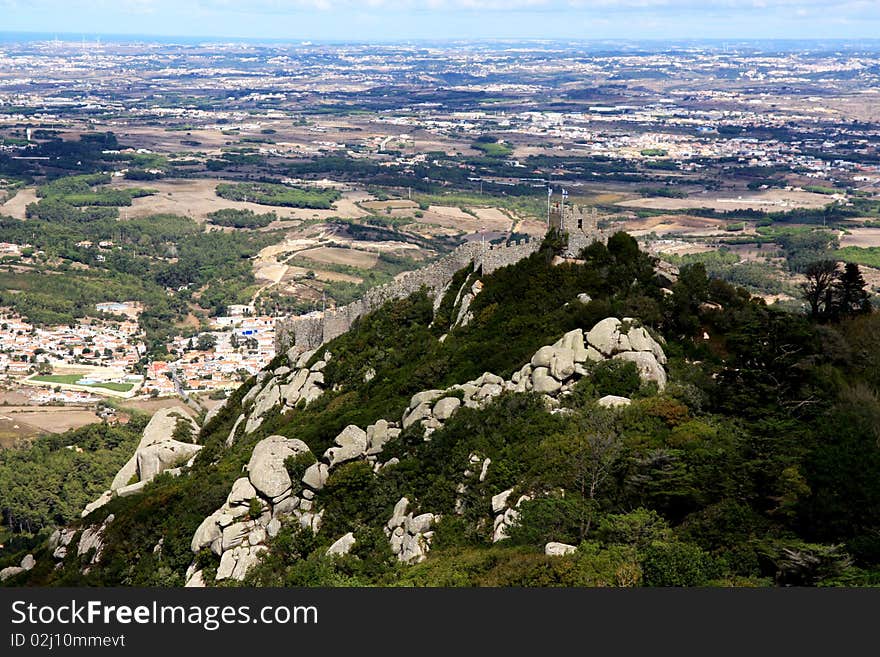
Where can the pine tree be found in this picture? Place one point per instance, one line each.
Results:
(851, 296)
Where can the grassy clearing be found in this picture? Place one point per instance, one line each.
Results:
(74, 379)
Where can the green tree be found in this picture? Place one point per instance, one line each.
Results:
(850, 292)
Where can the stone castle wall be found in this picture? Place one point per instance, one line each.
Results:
(314, 329)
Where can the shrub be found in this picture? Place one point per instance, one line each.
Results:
(614, 377)
(677, 564)
(639, 528)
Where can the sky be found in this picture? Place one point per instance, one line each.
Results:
(401, 20)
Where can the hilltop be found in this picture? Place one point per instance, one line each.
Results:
(554, 422)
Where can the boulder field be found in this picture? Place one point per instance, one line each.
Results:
(266, 496)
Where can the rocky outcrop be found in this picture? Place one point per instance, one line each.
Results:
(613, 401)
(410, 536)
(27, 563)
(505, 514)
(159, 430)
(157, 452)
(155, 459)
(59, 541)
(553, 549)
(463, 303)
(259, 503)
(352, 443)
(266, 468)
(342, 546)
(285, 387)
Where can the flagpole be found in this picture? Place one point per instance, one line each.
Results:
(549, 194)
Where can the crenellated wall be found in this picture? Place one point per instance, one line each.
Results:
(314, 329)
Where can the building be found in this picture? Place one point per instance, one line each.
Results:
(581, 227)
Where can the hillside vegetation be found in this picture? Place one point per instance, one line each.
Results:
(756, 465)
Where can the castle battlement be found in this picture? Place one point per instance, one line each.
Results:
(314, 329)
(579, 223)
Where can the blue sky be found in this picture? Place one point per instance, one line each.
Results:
(390, 20)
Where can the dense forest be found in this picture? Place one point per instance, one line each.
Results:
(757, 465)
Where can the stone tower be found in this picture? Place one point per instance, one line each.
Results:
(580, 224)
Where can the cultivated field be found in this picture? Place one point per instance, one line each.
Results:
(861, 237)
(674, 223)
(197, 198)
(336, 256)
(28, 422)
(15, 207)
(769, 201)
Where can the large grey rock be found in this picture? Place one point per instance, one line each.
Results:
(213, 412)
(398, 515)
(424, 396)
(285, 507)
(234, 534)
(102, 499)
(420, 412)
(499, 501)
(646, 362)
(445, 407)
(316, 475)
(604, 336)
(543, 383)
(268, 398)
(131, 489)
(303, 358)
(613, 401)
(291, 391)
(488, 391)
(562, 363)
(206, 533)
(593, 355)
(196, 580)
(639, 339)
(266, 468)
(10, 571)
(160, 428)
(419, 524)
(488, 377)
(543, 357)
(247, 559)
(554, 549)
(91, 538)
(28, 562)
(273, 527)
(155, 459)
(574, 340)
(342, 545)
(352, 444)
(227, 565)
(242, 492)
(377, 436)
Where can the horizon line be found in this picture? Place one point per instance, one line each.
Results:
(120, 37)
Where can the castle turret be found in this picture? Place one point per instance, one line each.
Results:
(581, 226)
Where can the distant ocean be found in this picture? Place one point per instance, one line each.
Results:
(589, 45)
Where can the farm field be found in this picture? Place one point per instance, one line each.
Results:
(78, 380)
(768, 201)
(27, 422)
